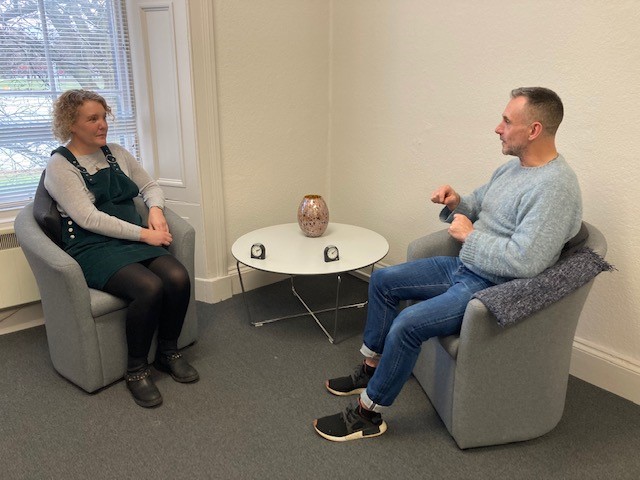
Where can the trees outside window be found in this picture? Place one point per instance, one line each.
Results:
(46, 48)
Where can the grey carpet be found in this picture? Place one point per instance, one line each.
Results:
(250, 415)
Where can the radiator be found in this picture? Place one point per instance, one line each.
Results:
(17, 283)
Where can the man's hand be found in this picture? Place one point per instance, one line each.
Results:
(461, 227)
(157, 220)
(446, 196)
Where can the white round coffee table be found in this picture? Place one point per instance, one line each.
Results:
(290, 252)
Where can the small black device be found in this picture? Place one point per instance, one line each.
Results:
(331, 253)
(258, 251)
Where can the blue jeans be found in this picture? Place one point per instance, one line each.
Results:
(444, 286)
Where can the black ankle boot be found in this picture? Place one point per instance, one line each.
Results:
(140, 384)
(170, 360)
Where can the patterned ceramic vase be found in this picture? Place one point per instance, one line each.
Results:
(313, 215)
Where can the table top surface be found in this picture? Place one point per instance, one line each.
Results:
(290, 252)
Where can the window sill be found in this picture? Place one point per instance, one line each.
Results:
(7, 218)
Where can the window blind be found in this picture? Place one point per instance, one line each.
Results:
(46, 48)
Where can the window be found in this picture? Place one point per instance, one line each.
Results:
(46, 48)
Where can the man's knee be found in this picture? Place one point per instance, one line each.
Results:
(408, 329)
(401, 330)
(383, 277)
(376, 277)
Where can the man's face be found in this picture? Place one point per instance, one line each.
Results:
(514, 129)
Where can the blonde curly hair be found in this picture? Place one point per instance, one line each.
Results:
(65, 111)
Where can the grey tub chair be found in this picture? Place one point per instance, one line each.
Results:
(86, 327)
(493, 385)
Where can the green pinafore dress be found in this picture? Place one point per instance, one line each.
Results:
(101, 256)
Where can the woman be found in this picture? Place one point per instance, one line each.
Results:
(94, 186)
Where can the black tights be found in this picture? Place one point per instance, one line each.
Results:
(158, 291)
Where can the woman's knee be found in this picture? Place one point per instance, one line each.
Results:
(148, 289)
(135, 283)
(173, 274)
(178, 278)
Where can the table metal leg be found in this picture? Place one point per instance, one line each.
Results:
(244, 296)
(335, 316)
(311, 312)
(335, 309)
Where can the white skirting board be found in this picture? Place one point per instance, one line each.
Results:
(213, 290)
(606, 370)
(21, 317)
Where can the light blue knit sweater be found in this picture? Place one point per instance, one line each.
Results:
(521, 219)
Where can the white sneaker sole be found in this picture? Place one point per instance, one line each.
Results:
(353, 436)
(355, 391)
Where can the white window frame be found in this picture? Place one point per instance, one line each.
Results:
(123, 103)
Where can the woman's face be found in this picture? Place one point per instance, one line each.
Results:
(89, 131)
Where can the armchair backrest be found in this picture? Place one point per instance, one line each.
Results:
(46, 213)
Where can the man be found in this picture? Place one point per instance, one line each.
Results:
(513, 227)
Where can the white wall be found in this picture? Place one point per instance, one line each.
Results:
(272, 62)
(418, 88)
(373, 103)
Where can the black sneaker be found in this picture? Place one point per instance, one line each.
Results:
(350, 425)
(354, 384)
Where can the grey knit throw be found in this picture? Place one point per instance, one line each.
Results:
(517, 299)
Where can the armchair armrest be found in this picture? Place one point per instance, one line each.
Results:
(63, 290)
(183, 245)
(436, 244)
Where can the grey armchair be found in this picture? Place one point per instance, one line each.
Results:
(493, 385)
(86, 327)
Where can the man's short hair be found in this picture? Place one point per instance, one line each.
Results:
(545, 106)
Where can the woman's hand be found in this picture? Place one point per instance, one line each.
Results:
(157, 238)
(157, 220)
